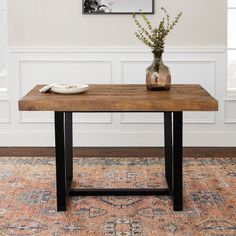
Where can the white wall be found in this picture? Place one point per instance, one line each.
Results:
(52, 41)
(60, 23)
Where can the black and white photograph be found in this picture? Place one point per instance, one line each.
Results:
(118, 6)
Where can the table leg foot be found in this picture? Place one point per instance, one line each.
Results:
(178, 208)
(61, 208)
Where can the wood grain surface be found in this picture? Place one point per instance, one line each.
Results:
(122, 98)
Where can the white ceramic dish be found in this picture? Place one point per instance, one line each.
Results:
(69, 88)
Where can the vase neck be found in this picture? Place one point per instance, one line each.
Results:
(157, 58)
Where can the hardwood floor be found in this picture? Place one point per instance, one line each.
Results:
(119, 151)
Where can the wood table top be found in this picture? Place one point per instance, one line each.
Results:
(122, 98)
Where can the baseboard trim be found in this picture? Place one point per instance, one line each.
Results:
(119, 151)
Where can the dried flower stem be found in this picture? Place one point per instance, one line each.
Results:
(155, 37)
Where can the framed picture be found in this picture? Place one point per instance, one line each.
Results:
(118, 6)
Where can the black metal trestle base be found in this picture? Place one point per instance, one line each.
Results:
(173, 124)
(118, 192)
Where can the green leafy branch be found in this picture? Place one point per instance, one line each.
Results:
(155, 37)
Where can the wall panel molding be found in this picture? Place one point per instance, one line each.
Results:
(114, 50)
(5, 110)
(230, 111)
(106, 139)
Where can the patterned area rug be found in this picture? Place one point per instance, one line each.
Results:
(28, 204)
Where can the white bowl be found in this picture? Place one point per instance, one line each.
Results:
(69, 88)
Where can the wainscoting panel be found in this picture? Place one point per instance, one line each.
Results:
(230, 111)
(5, 111)
(28, 67)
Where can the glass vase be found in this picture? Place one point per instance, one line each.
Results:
(158, 75)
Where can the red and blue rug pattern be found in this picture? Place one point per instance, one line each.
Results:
(28, 198)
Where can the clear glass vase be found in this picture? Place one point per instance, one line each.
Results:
(158, 75)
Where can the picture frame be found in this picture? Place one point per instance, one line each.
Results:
(108, 7)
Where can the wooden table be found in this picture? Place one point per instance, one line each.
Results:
(121, 98)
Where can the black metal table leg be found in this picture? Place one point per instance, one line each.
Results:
(168, 149)
(69, 148)
(177, 176)
(60, 161)
(173, 163)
